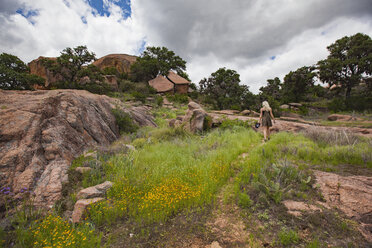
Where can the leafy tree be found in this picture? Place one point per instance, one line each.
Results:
(298, 84)
(248, 98)
(271, 93)
(71, 64)
(14, 74)
(271, 90)
(155, 61)
(223, 90)
(349, 61)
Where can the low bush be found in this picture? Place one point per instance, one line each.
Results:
(159, 100)
(53, 231)
(93, 87)
(178, 98)
(124, 121)
(228, 124)
(139, 96)
(334, 137)
(275, 182)
(288, 237)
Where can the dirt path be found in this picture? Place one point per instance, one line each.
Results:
(226, 222)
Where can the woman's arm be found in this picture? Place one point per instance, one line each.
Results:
(260, 116)
(272, 116)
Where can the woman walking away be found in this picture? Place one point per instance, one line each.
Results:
(266, 114)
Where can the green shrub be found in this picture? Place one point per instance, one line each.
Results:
(274, 182)
(53, 231)
(354, 102)
(178, 98)
(139, 96)
(314, 244)
(166, 133)
(359, 103)
(2, 237)
(236, 107)
(126, 86)
(227, 123)
(207, 123)
(139, 143)
(288, 237)
(159, 100)
(337, 105)
(93, 87)
(244, 201)
(124, 121)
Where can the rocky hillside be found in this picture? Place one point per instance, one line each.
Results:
(41, 132)
(121, 62)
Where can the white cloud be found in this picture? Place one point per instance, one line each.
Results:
(59, 24)
(243, 35)
(238, 34)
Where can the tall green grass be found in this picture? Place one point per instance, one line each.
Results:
(158, 180)
(270, 165)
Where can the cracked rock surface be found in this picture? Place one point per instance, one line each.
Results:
(41, 132)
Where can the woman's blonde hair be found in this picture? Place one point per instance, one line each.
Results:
(265, 106)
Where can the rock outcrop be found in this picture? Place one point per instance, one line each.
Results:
(37, 68)
(337, 117)
(352, 195)
(194, 118)
(41, 132)
(94, 191)
(121, 62)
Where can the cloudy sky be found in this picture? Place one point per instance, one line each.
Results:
(260, 39)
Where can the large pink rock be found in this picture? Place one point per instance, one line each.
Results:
(121, 62)
(41, 132)
(352, 195)
(194, 118)
(37, 68)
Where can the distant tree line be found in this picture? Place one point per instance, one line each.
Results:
(347, 69)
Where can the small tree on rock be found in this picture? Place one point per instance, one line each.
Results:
(71, 65)
(155, 61)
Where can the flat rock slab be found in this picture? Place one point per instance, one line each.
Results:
(296, 208)
(352, 195)
(95, 191)
(81, 206)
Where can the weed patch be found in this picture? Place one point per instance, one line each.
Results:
(124, 121)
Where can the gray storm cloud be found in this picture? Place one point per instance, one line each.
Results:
(238, 29)
(209, 34)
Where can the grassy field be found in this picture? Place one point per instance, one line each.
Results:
(165, 191)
